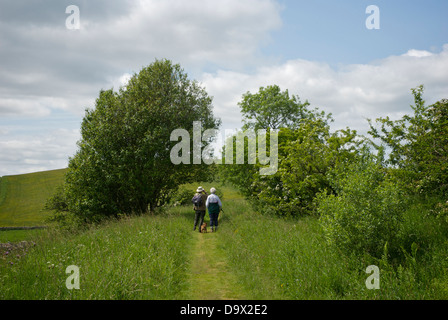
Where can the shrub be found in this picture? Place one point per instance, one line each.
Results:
(366, 213)
(182, 197)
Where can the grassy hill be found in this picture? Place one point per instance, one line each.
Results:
(22, 197)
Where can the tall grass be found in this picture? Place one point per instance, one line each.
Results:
(147, 257)
(290, 259)
(281, 259)
(136, 258)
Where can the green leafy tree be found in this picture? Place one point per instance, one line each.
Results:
(272, 108)
(309, 156)
(306, 151)
(418, 144)
(123, 162)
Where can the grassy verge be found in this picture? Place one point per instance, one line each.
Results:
(137, 258)
(252, 256)
(289, 259)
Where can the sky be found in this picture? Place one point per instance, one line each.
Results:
(337, 55)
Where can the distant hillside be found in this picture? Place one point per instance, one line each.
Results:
(23, 196)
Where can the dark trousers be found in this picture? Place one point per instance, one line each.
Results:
(198, 217)
(213, 219)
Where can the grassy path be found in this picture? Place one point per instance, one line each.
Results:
(210, 278)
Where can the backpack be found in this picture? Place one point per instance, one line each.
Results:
(197, 200)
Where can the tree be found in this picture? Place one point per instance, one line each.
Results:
(306, 151)
(123, 162)
(418, 144)
(272, 108)
(310, 154)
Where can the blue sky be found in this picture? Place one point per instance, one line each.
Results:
(320, 50)
(335, 32)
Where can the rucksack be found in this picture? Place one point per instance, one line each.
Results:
(197, 200)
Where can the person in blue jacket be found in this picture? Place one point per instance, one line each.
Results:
(214, 206)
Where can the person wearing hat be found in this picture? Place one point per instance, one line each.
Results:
(200, 208)
(214, 206)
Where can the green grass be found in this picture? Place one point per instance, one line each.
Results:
(252, 256)
(18, 235)
(289, 259)
(210, 276)
(136, 258)
(22, 197)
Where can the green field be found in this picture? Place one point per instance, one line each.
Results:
(22, 197)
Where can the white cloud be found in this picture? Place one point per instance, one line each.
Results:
(47, 69)
(31, 152)
(24, 105)
(117, 82)
(43, 60)
(351, 93)
(418, 53)
(199, 31)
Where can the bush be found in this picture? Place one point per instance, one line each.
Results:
(366, 213)
(182, 197)
(305, 155)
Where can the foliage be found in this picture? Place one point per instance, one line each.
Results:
(366, 212)
(123, 162)
(306, 151)
(418, 145)
(185, 193)
(308, 157)
(277, 258)
(182, 197)
(440, 210)
(272, 108)
(61, 214)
